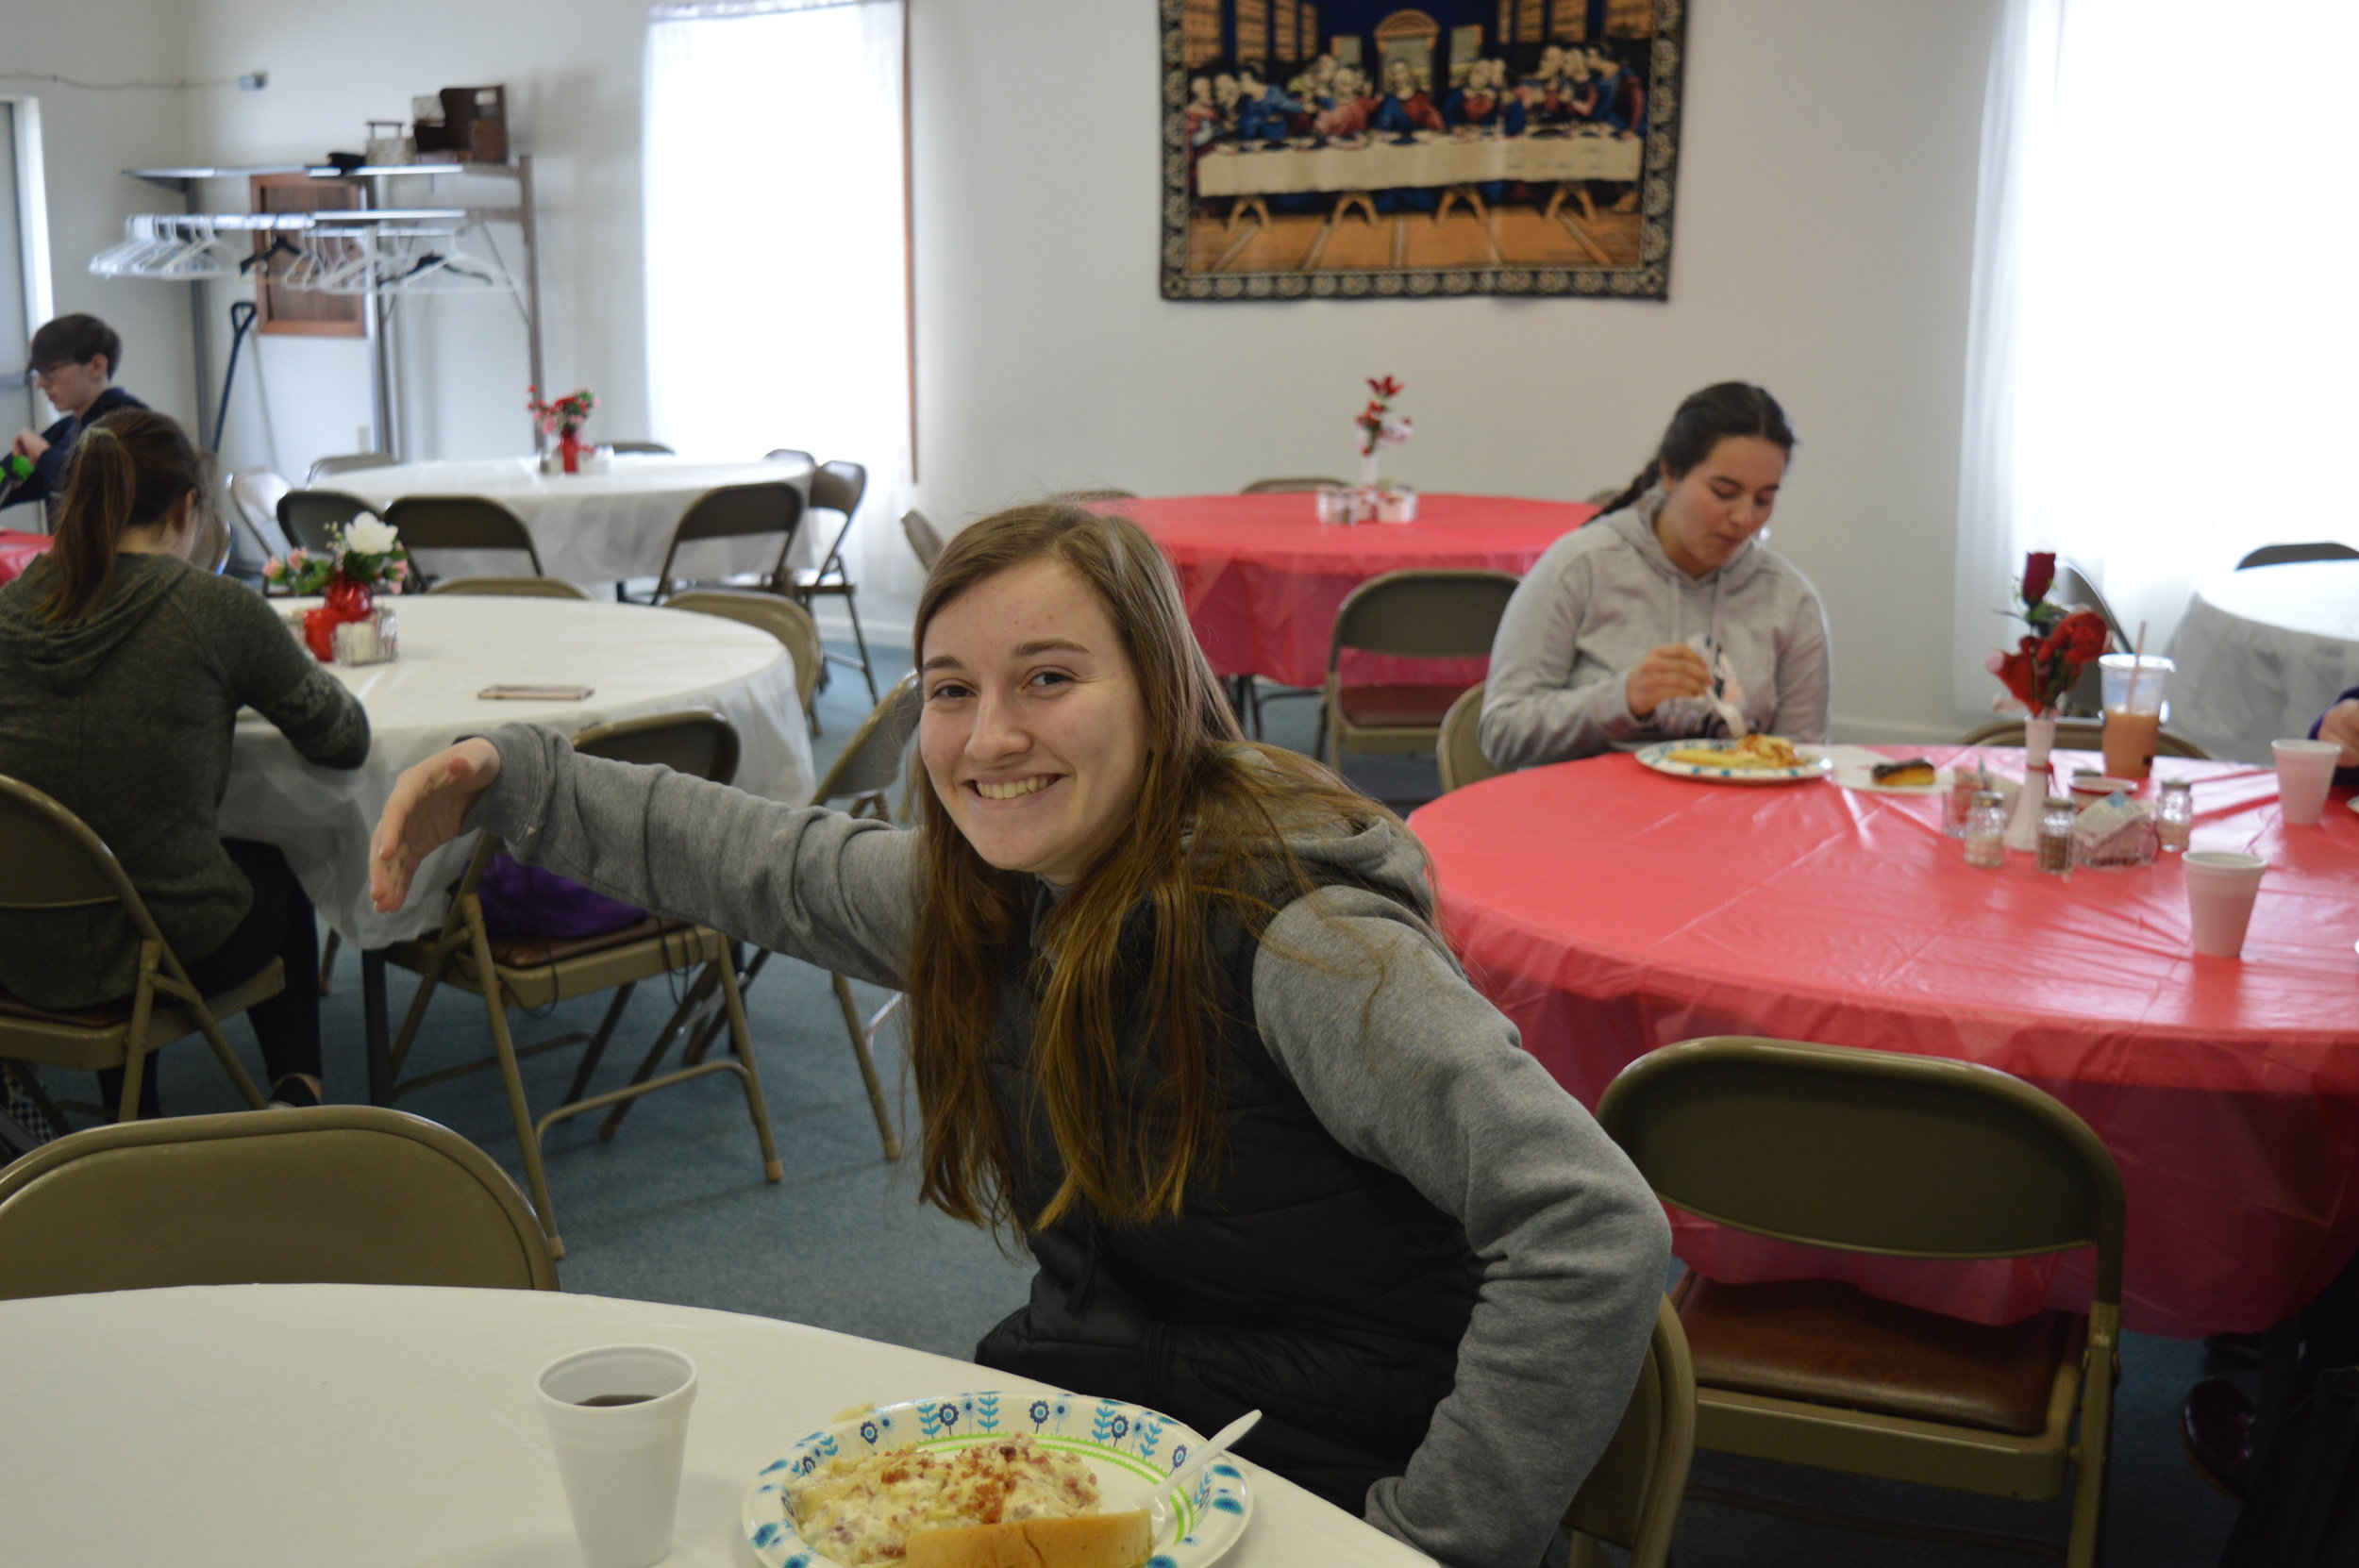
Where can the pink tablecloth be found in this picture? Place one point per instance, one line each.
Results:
(1263, 578)
(17, 551)
(1608, 910)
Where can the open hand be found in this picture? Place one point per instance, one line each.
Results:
(429, 803)
(1673, 670)
(2341, 725)
(29, 447)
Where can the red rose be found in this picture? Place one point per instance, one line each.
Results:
(2080, 637)
(2018, 671)
(2039, 575)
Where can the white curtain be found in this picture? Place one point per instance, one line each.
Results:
(2163, 331)
(777, 256)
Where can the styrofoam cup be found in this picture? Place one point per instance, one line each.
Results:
(2305, 770)
(621, 1464)
(2220, 890)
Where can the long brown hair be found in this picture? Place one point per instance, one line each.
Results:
(127, 471)
(1205, 837)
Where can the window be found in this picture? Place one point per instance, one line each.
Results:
(776, 254)
(23, 258)
(2162, 321)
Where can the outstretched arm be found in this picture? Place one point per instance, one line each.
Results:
(836, 891)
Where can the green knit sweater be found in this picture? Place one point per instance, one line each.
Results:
(124, 717)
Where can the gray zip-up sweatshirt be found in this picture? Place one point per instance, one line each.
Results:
(1360, 1005)
(1604, 597)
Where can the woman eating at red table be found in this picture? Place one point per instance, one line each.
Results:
(1666, 616)
(1181, 1022)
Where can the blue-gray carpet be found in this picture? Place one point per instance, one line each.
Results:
(675, 1210)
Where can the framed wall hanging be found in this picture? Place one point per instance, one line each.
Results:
(1361, 149)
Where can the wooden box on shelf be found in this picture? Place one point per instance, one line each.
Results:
(303, 312)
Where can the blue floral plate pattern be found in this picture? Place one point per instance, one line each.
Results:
(1658, 757)
(1130, 1450)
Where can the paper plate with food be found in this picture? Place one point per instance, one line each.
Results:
(975, 1480)
(1754, 760)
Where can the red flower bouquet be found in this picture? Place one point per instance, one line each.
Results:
(2047, 661)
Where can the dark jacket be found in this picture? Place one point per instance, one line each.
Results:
(48, 476)
(1301, 1279)
(124, 717)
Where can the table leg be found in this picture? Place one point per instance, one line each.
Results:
(373, 1026)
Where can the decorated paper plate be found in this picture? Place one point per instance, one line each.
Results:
(1129, 1448)
(1658, 757)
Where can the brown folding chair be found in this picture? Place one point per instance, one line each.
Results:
(736, 511)
(925, 542)
(1292, 486)
(515, 588)
(460, 523)
(51, 860)
(521, 972)
(341, 1194)
(2294, 555)
(1459, 751)
(1441, 614)
(783, 619)
(2076, 736)
(838, 487)
(1894, 1155)
(305, 515)
(861, 784)
(1085, 495)
(1631, 1498)
(790, 455)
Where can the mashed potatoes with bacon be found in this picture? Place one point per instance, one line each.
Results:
(863, 1511)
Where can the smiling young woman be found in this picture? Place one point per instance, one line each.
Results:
(1640, 626)
(1179, 1019)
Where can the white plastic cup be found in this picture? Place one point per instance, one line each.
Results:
(2220, 890)
(2142, 695)
(620, 1462)
(2305, 770)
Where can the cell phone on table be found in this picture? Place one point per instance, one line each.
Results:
(534, 693)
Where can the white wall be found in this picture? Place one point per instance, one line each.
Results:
(1824, 228)
(89, 137)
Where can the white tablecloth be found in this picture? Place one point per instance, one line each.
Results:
(308, 1424)
(1380, 163)
(637, 661)
(597, 527)
(2262, 653)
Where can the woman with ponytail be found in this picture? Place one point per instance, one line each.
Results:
(122, 670)
(1666, 614)
(1182, 1022)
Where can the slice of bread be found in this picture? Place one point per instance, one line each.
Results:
(1090, 1541)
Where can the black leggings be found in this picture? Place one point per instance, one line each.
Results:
(277, 926)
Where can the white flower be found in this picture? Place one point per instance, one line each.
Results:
(369, 537)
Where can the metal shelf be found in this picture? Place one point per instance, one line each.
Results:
(327, 171)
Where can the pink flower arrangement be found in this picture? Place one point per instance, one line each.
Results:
(1377, 422)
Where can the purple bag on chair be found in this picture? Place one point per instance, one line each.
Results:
(525, 901)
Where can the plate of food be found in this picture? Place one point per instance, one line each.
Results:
(972, 1480)
(1754, 760)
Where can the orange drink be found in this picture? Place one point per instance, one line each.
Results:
(2129, 738)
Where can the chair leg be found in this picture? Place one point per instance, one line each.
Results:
(699, 995)
(328, 959)
(741, 1037)
(851, 607)
(512, 1077)
(589, 1064)
(858, 1030)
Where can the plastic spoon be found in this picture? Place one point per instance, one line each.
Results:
(1221, 1441)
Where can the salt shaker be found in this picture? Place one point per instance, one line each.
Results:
(2055, 835)
(2174, 812)
(1964, 787)
(1986, 829)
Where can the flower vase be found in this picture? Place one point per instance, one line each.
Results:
(569, 450)
(2039, 738)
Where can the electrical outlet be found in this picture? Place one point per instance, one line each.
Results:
(254, 81)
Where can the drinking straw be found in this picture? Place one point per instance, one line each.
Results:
(2137, 655)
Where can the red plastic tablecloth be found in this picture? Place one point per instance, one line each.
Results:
(1608, 910)
(1263, 578)
(17, 551)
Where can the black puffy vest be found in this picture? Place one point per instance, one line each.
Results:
(1299, 1279)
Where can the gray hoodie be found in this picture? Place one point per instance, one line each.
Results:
(125, 717)
(1604, 597)
(1358, 1001)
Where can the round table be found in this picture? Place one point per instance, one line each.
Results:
(1608, 910)
(254, 1424)
(635, 660)
(20, 550)
(2262, 652)
(594, 527)
(1263, 577)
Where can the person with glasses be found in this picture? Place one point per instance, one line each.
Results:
(74, 360)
